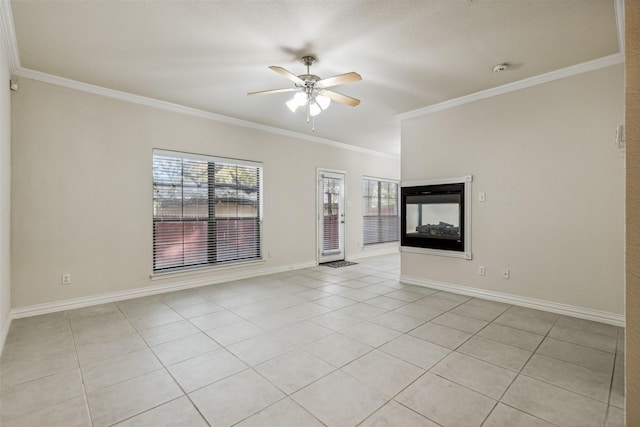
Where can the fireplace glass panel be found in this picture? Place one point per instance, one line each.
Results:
(433, 217)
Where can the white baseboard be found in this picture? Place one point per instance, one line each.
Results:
(538, 304)
(376, 250)
(70, 304)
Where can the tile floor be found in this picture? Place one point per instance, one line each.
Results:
(321, 346)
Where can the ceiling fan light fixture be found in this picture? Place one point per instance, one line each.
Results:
(301, 98)
(292, 104)
(314, 109)
(323, 101)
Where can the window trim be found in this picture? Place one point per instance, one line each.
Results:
(157, 274)
(379, 180)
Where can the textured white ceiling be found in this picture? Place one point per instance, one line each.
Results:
(411, 54)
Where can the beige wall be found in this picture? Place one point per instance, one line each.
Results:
(5, 198)
(632, 356)
(554, 184)
(82, 190)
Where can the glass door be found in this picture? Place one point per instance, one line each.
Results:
(330, 216)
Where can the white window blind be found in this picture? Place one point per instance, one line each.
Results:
(380, 216)
(206, 210)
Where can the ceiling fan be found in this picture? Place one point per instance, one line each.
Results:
(312, 91)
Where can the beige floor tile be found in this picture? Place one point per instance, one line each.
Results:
(399, 322)
(178, 412)
(285, 413)
(363, 310)
(215, 320)
(233, 399)
(500, 354)
(275, 320)
(386, 302)
(405, 296)
(235, 333)
(337, 349)
(106, 347)
(569, 376)
(441, 335)
(70, 413)
(16, 349)
(617, 385)
(615, 417)
(345, 377)
(383, 372)
(184, 348)
(371, 334)
(293, 370)
(586, 357)
(554, 404)
(22, 399)
(438, 302)
(307, 310)
(418, 311)
(303, 333)
(336, 320)
(168, 332)
(119, 368)
(205, 369)
(339, 400)
(414, 350)
(358, 295)
(483, 377)
(394, 414)
(445, 402)
(511, 336)
(312, 294)
(474, 310)
(196, 310)
(260, 349)
(335, 301)
(589, 326)
(526, 319)
(504, 415)
(16, 370)
(155, 319)
(585, 338)
(466, 324)
(126, 399)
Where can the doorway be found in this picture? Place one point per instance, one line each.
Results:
(331, 217)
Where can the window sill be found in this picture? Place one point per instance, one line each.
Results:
(204, 269)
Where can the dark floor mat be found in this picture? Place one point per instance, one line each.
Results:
(336, 264)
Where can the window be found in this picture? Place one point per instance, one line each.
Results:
(206, 210)
(380, 211)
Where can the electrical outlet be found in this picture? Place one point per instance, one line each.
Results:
(506, 273)
(66, 279)
(482, 271)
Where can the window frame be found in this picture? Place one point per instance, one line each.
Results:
(366, 198)
(211, 220)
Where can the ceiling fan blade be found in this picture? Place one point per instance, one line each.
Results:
(267, 92)
(287, 74)
(338, 80)
(343, 99)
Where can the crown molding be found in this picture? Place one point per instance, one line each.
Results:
(176, 108)
(8, 33)
(573, 70)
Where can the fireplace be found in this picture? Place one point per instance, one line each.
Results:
(434, 217)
